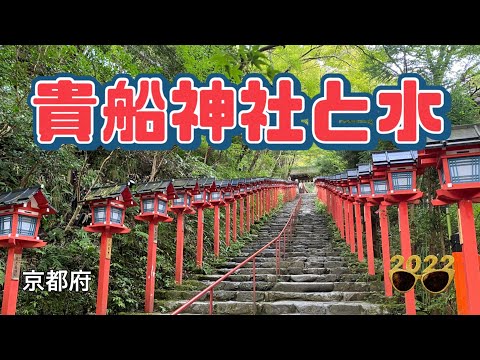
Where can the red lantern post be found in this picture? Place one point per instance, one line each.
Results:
(243, 194)
(21, 212)
(379, 187)
(266, 196)
(182, 204)
(249, 189)
(402, 173)
(108, 205)
(343, 192)
(154, 198)
(228, 198)
(352, 184)
(216, 199)
(236, 195)
(365, 191)
(457, 160)
(254, 201)
(200, 202)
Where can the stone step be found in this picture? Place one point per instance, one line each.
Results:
(280, 307)
(247, 296)
(265, 264)
(242, 285)
(320, 286)
(294, 271)
(304, 258)
(284, 278)
(289, 271)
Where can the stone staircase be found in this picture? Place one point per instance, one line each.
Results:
(314, 278)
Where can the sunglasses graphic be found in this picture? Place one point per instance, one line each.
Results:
(433, 280)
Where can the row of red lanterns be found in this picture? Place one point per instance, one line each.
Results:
(391, 180)
(22, 210)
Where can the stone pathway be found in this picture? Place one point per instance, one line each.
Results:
(314, 277)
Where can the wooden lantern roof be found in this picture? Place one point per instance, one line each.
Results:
(164, 186)
(394, 157)
(223, 184)
(352, 174)
(110, 192)
(460, 135)
(21, 196)
(364, 170)
(186, 184)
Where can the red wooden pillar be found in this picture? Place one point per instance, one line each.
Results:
(334, 210)
(259, 207)
(358, 218)
(352, 227)
(151, 266)
(200, 237)
(460, 283)
(470, 255)
(12, 279)
(104, 273)
(406, 252)
(248, 213)
(337, 211)
(267, 201)
(385, 248)
(227, 224)
(234, 234)
(262, 203)
(216, 231)
(242, 209)
(369, 238)
(179, 255)
(347, 222)
(342, 216)
(253, 204)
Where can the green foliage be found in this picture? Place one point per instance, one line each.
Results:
(68, 173)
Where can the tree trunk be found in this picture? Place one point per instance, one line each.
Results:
(207, 153)
(275, 166)
(254, 160)
(156, 164)
(290, 165)
(79, 206)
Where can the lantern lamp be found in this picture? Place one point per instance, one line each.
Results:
(154, 197)
(364, 173)
(401, 170)
(202, 199)
(108, 205)
(21, 212)
(185, 190)
(352, 182)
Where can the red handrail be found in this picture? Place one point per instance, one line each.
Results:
(209, 289)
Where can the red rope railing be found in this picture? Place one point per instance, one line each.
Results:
(285, 233)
